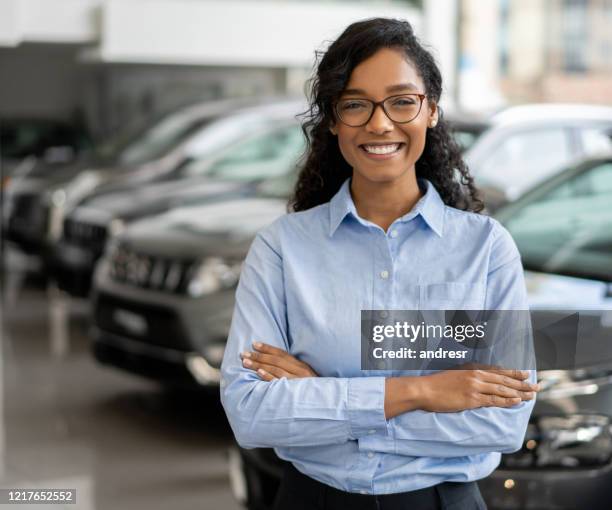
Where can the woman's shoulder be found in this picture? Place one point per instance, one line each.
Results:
(459, 219)
(488, 230)
(294, 225)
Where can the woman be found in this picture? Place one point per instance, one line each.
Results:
(385, 218)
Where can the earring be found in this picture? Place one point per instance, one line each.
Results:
(433, 124)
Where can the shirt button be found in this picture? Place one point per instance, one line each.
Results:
(370, 455)
(384, 314)
(393, 234)
(371, 431)
(384, 274)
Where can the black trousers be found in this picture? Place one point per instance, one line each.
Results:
(300, 492)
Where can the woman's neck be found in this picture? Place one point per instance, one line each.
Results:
(383, 202)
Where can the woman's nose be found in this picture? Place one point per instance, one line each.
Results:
(379, 122)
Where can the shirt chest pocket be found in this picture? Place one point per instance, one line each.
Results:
(452, 296)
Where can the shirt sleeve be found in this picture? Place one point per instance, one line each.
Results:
(287, 412)
(481, 430)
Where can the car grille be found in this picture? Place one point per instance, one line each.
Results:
(151, 271)
(162, 325)
(85, 234)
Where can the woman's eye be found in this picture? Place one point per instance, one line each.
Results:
(353, 105)
(404, 102)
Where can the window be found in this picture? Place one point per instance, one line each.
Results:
(575, 35)
(161, 138)
(270, 154)
(522, 159)
(569, 229)
(596, 141)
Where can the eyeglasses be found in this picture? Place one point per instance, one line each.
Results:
(402, 109)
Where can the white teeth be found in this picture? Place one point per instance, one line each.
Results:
(381, 149)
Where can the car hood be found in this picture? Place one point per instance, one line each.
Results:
(44, 176)
(224, 229)
(58, 173)
(135, 202)
(59, 176)
(552, 291)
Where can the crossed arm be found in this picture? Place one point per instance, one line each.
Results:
(278, 400)
(447, 391)
(432, 415)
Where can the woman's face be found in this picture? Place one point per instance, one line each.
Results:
(386, 73)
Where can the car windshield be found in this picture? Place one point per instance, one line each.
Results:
(522, 159)
(274, 152)
(19, 139)
(566, 227)
(139, 145)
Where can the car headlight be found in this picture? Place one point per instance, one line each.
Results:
(81, 185)
(116, 227)
(212, 275)
(58, 198)
(556, 384)
(572, 441)
(214, 353)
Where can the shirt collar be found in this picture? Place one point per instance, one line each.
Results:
(430, 207)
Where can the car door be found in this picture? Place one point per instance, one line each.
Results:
(568, 230)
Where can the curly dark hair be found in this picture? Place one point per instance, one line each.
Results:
(325, 169)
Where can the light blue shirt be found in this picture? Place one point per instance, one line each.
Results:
(302, 288)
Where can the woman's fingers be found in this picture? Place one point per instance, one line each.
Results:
(507, 381)
(271, 355)
(497, 401)
(266, 376)
(267, 372)
(501, 390)
(286, 362)
(269, 349)
(520, 375)
(255, 359)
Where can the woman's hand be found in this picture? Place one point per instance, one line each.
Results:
(458, 390)
(273, 363)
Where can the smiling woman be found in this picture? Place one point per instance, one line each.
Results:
(385, 213)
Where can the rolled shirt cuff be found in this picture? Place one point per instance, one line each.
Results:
(366, 406)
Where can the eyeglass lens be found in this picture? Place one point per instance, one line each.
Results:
(357, 112)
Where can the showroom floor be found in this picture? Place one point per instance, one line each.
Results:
(68, 422)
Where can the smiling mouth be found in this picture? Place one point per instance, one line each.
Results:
(382, 149)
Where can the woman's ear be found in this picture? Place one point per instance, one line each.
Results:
(332, 128)
(433, 115)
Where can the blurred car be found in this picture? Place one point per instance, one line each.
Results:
(527, 144)
(466, 128)
(268, 150)
(163, 292)
(37, 203)
(563, 229)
